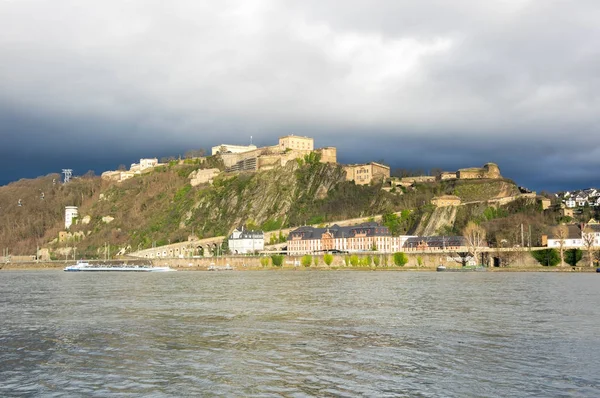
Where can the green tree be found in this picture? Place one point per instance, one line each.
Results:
(277, 260)
(572, 256)
(400, 259)
(392, 221)
(306, 260)
(328, 258)
(547, 257)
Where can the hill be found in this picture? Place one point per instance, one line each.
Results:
(162, 207)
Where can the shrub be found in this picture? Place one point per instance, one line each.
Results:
(264, 261)
(419, 260)
(572, 256)
(347, 260)
(306, 260)
(385, 260)
(277, 260)
(271, 225)
(354, 260)
(328, 258)
(548, 257)
(376, 260)
(367, 261)
(400, 259)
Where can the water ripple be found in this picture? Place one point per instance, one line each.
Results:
(274, 334)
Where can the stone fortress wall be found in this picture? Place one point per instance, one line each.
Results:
(489, 170)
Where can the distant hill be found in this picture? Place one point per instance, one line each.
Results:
(161, 207)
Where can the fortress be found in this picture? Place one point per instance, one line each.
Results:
(489, 170)
(290, 147)
(237, 158)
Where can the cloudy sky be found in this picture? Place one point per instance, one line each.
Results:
(424, 84)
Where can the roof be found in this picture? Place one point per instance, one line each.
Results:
(573, 232)
(436, 241)
(369, 229)
(246, 234)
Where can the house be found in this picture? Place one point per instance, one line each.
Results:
(576, 235)
(243, 241)
(363, 174)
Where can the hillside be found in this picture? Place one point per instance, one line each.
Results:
(161, 207)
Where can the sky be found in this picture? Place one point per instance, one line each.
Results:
(422, 85)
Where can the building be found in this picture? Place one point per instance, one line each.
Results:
(296, 142)
(447, 175)
(366, 237)
(148, 163)
(575, 236)
(70, 213)
(363, 174)
(435, 243)
(135, 169)
(227, 148)
(243, 241)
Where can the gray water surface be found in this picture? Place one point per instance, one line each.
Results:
(300, 334)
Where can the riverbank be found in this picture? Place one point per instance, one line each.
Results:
(32, 266)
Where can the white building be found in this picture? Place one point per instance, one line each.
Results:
(576, 235)
(242, 241)
(70, 214)
(226, 148)
(148, 163)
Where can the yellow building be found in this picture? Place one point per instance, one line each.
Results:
(296, 142)
(363, 174)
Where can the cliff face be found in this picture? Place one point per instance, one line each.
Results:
(287, 196)
(433, 223)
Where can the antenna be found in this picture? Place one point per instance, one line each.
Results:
(68, 173)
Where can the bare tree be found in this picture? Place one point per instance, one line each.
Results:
(589, 240)
(475, 238)
(561, 233)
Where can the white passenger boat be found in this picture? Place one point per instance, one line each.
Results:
(83, 266)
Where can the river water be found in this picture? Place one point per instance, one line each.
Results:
(300, 334)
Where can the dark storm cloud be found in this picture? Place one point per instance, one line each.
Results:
(421, 84)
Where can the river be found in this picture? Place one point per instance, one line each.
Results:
(300, 334)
